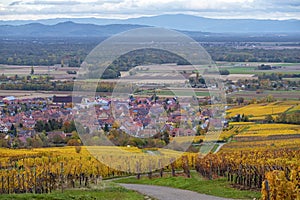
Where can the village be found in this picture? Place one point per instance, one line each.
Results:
(39, 122)
(49, 120)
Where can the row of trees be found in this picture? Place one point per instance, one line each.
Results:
(136, 58)
(49, 125)
(231, 54)
(44, 83)
(116, 136)
(290, 118)
(53, 125)
(39, 140)
(72, 51)
(269, 82)
(46, 51)
(47, 86)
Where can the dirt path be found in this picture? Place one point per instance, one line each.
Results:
(167, 193)
(219, 147)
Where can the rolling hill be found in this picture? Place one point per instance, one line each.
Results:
(185, 22)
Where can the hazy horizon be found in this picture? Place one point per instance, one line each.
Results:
(125, 9)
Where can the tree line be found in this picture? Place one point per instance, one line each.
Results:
(72, 51)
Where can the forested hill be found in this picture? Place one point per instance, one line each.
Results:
(185, 22)
(71, 29)
(64, 29)
(69, 42)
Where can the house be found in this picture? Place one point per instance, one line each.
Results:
(28, 133)
(2, 104)
(103, 116)
(103, 102)
(66, 99)
(3, 129)
(9, 98)
(146, 133)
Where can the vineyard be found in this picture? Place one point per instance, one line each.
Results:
(268, 132)
(261, 157)
(48, 169)
(256, 110)
(270, 166)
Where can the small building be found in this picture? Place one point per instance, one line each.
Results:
(66, 99)
(9, 98)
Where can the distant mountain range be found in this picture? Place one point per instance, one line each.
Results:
(64, 29)
(178, 22)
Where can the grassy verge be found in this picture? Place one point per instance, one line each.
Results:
(219, 187)
(215, 148)
(109, 193)
(182, 93)
(241, 70)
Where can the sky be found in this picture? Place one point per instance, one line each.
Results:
(123, 9)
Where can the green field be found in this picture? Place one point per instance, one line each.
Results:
(240, 70)
(286, 64)
(291, 79)
(280, 95)
(172, 93)
(111, 193)
(253, 70)
(251, 67)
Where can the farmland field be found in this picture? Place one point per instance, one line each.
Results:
(251, 67)
(32, 94)
(241, 70)
(258, 110)
(22, 94)
(59, 73)
(281, 95)
(270, 129)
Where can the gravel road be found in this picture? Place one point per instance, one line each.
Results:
(167, 193)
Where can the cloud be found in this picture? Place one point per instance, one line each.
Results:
(58, 3)
(15, 3)
(266, 9)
